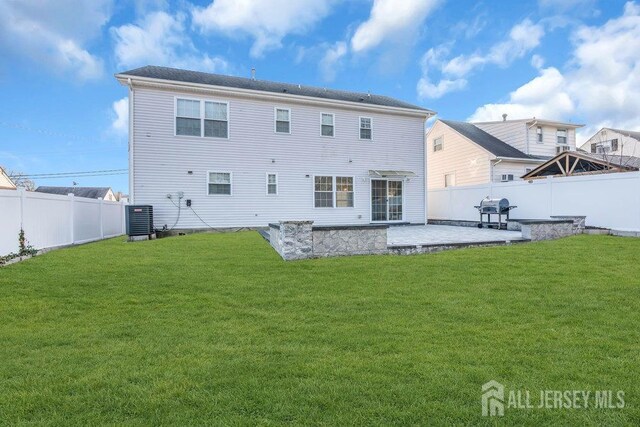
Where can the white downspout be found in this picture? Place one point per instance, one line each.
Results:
(131, 144)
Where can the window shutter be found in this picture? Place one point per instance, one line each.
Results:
(614, 145)
(593, 148)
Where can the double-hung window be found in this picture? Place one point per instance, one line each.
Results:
(327, 124)
(539, 132)
(562, 136)
(219, 183)
(365, 128)
(188, 117)
(216, 121)
(193, 120)
(272, 184)
(438, 144)
(283, 120)
(333, 191)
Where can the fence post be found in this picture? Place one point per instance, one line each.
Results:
(23, 196)
(72, 217)
(101, 217)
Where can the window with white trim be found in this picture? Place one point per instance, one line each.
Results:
(539, 132)
(219, 183)
(438, 143)
(561, 134)
(216, 122)
(365, 128)
(326, 124)
(450, 180)
(283, 120)
(333, 191)
(188, 117)
(210, 122)
(344, 191)
(272, 184)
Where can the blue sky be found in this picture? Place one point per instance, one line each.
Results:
(62, 110)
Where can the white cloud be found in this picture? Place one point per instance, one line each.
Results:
(331, 59)
(267, 21)
(600, 87)
(121, 115)
(391, 19)
(55, 33)
(161, 39)
(537, 61)
(523, 37)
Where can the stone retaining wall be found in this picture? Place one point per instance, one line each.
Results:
(300, 240)
(535, 230)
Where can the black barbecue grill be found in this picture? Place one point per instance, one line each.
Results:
(490, 207)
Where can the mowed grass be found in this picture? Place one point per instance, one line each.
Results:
(217, 329)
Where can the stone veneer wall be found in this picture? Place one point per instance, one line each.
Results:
(346, 240)
(300, 240)
(535, 230)
(578, 222)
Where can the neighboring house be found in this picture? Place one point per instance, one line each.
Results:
(572, 163)
(5, 182)
(210, 150)
(461, 153)
(614, 142)
(104, 193)
(535, 137)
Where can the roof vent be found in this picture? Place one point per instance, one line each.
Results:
(253, 74)
(504, 117)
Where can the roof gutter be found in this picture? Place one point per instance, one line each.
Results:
(126, 80)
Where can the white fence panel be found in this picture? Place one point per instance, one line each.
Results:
(607, 200)
(50, 220)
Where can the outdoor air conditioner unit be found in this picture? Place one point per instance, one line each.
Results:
(562, 148)
(507, 177)
(139, 219)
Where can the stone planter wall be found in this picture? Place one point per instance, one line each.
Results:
(535, 230)
(300, 240)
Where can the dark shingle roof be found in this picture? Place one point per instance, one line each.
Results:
(486, 140)
(88, 192)
(174, 74)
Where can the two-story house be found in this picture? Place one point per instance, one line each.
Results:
(461, 153)
(614, 142)
(210, 150)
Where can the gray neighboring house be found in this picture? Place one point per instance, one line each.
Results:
(208, 150)
(104, 193)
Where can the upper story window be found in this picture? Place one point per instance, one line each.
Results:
(219, 183)
(272, 184)
(283, 120)
(365, 128)
(327, 124)
(188, 117)
(539, 132)
(193, 120)
(438, 144)
(562, 136)
(216, 123)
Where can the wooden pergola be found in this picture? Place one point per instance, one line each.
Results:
(570, 163)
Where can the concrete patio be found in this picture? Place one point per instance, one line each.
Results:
(428, 235)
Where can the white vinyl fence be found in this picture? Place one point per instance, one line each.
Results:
(51, 220)
(608, 200)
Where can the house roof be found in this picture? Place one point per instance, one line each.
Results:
(186, 76)
(487, 141)
(534, 120)
(630, 133)
(5, 181)
(88, 192)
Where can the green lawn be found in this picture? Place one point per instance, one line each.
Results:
(217, 329)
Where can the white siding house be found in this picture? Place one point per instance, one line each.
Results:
(5, 182)
(460, 153)
(616, 142)
(261, 152)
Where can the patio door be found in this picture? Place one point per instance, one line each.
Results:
(386, 200)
